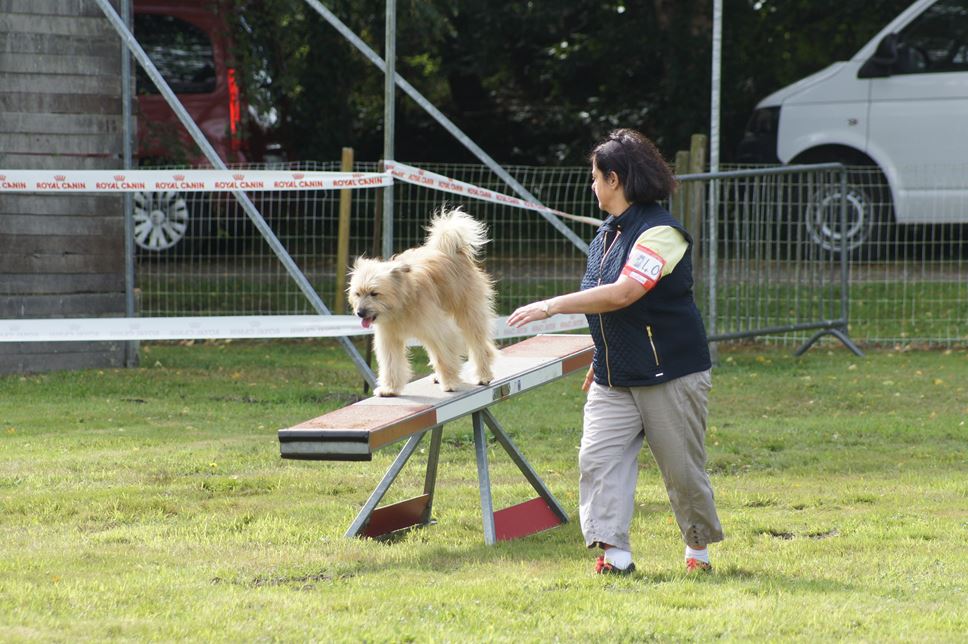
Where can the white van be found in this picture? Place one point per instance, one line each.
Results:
(900, 105)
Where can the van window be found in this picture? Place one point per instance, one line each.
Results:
(181, 51)
(937, 41)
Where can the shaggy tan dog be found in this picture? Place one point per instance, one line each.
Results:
(436, 293)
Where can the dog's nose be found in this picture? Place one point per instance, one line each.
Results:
(361, 313)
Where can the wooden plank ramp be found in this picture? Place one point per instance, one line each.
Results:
(354, 432)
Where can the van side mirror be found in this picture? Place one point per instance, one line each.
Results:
(881, 64)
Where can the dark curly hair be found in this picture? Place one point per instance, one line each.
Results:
(641, 170)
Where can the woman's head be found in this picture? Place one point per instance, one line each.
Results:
(641, 171)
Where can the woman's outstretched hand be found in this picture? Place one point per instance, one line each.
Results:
(529, 313)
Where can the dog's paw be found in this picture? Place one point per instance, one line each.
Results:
(385, 392)
(484, 375)
(449, 386)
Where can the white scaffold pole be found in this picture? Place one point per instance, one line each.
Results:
(448, 125)
(253, 213)
(389, 119)
(713, 200)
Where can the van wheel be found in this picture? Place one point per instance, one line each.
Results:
(869, 217)
(160, 220)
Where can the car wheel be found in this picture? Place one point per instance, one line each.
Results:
(160, 220)
(869, 216)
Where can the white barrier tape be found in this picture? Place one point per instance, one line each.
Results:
(419, 177)
(61, 181)
(555, 324)
(72, 181)
(179, 328)
(228, 327)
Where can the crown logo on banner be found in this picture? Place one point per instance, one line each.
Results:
(179, 177)
(119, 177)
(59, 177)
(298, 175)
(238, 177)
(3, 177)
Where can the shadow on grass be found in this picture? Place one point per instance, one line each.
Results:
(553, 560)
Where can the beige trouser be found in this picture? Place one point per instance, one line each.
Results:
(672, 418)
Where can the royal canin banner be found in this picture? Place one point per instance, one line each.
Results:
(224, 327)
(67, 181)
(428, 179)
(53, 181)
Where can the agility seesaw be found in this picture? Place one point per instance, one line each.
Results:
(354, 432)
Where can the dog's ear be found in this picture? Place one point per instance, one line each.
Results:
(400, 268)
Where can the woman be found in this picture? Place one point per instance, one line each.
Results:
(650, 375)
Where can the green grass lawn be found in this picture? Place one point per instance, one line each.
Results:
(152, 504)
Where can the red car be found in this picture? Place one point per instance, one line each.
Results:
(190, 43)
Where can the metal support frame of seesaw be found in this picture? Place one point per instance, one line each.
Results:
(356, 431)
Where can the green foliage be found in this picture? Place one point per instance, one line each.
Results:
(152, 505)
(535, 82)
(325, 95)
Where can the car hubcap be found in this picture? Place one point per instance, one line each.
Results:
(160, 219)
(824, 226)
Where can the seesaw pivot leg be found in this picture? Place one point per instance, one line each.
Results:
(483, 478)
(518, 520)
(359, 525)
(524, 466)
(430, 482)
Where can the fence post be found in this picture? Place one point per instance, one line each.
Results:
(680, 202)
(375, 251)
(343, 235)
(697, 164)
(693, 219)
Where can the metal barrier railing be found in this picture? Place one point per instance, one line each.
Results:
(222, 267)
(906, 284)
(756, 272)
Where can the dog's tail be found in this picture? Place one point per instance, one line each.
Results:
(454, 232)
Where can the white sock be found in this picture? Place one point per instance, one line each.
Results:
(618, 557)
(698, 555)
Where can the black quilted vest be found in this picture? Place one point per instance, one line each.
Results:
(661, 336)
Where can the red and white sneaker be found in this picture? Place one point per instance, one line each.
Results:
(602, 567)
(696, 566)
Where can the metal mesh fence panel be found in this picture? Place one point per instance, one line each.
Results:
(527, 258)
(908, 276)
(221, 266)
(909, 286)
(779, 239)
(756, 272)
